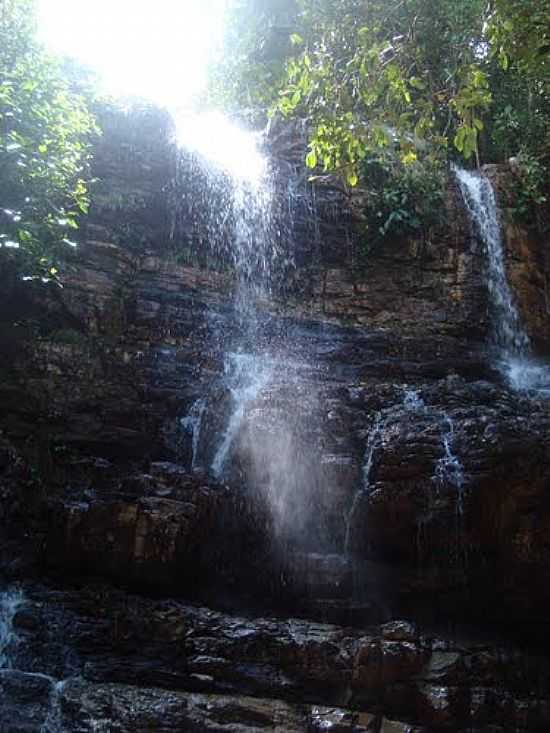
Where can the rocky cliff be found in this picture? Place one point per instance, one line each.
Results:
(380, 377)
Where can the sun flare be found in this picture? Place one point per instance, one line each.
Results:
(158, 51)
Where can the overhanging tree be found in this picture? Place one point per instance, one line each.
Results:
(45, 132)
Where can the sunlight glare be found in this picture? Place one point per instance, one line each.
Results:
(157, 51)
(223, 143)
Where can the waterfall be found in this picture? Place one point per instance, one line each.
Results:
(412, 401)
(238, 207)
(247, 375)
(238, 212)
(10, 601)
(244, 215)
(364, 489)
(509, 336)
(54, 719)
(449, 470)
(192, 424)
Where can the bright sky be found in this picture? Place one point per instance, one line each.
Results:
(156, 49)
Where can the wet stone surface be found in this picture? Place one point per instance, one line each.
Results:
(325, 487)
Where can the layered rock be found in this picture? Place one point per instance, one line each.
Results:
(382, 468)
(192, 666)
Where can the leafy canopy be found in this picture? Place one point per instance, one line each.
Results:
(417, 77)
(519, 31)
(45, 131)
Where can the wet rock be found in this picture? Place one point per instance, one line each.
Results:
(154, 540)
(319, 576)
(399, 631)
(117, 639)
(393, 726)
(452, 515)
(24, 701)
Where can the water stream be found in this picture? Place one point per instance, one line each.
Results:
(249, 208)
(239, 214)
(364, 489)
(412, 402)
(515, 357)
(246, 376)
(449, 470)
(192, 424)
(10, 601)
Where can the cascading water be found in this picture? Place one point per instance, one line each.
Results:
(509, 336)
(249, 223)
(449, 470)
(413, 402)
(10, 601)
(372, 443)
(54, 719)
(192, 424)
(247, 375)
(238, 210)
(241, 229)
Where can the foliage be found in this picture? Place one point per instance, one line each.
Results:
(258, 41)
(45, 129)
(521, 116)
(519, 31)
(529, 192)
(402, 199)
(369, 75)
(422, 77)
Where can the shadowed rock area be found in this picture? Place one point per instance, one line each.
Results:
(374, 554)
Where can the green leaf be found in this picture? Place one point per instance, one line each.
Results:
(478, 124)
(417, 83)
(352, 178)
(409, 157)
(311, 159)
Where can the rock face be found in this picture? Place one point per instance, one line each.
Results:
(149, 531)
(375, 467)
(527, 258)
(136, 663)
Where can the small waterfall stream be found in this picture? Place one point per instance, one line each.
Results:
(411, 401)
(509, 335)
(54, 719)
(247, 375)
(449, 470)
(243, 229)
(192, 424)
(363, 491)
(10, 601)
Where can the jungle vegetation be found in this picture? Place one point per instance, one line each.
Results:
(392, 90)
(46, 129)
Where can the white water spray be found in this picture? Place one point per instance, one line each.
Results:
(364, 490)
(245, 228)
(449, 470)
(54, 719)
(242, 226)
(509, 336)
(246, 376)
(10, 601)
(412, 401)
(192, 424)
